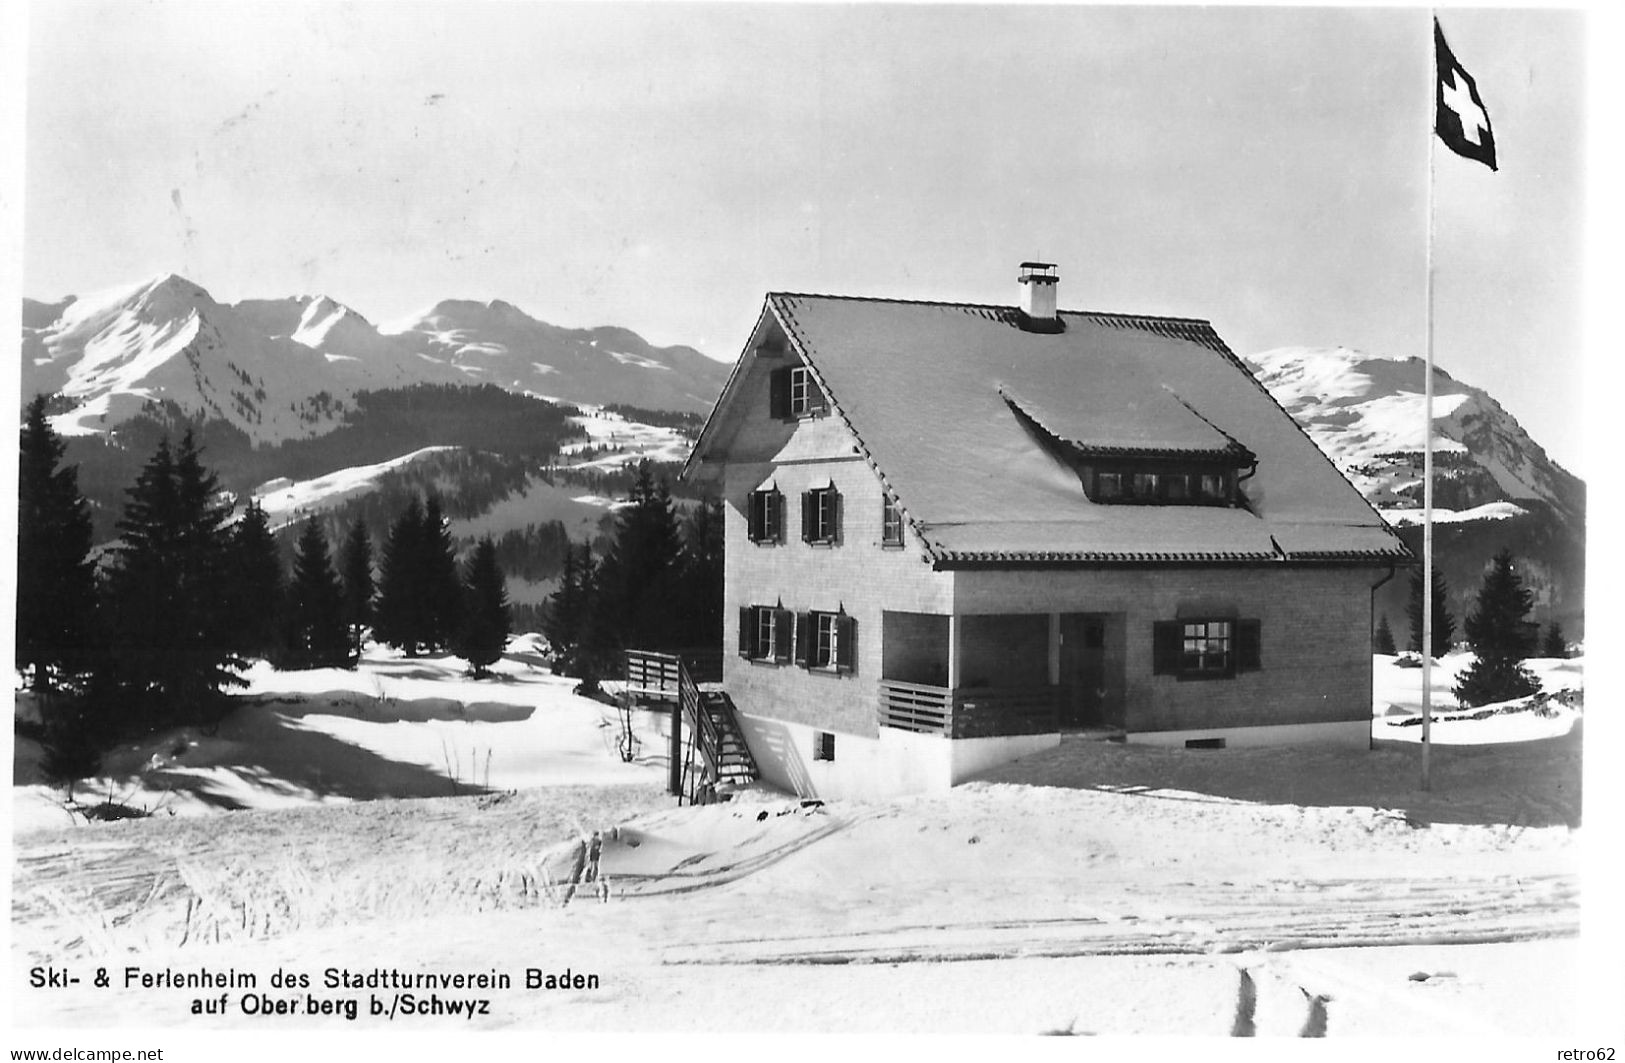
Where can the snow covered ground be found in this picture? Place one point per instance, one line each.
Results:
(1096, 888)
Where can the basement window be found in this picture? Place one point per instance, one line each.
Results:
(824, 746)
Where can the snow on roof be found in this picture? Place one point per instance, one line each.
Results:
(931, 390)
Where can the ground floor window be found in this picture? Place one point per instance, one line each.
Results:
(1206, 647)
(764, 633)
(826, 641)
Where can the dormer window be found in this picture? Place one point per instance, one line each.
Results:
(1160, 482)
(794, 394)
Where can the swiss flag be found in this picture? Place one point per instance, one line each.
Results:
(1459, 115)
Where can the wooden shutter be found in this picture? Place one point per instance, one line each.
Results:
(783, 627)
(1249, 651)
(747, 630)
(803, 633)
(809, 516)
(833, 532)
(778, 387)
(773, 520)
(846, 643)
(757, 517)
(1166, 639)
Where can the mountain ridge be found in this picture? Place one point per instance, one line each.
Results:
(281, 368)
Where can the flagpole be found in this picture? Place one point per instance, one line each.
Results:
(1427, 472)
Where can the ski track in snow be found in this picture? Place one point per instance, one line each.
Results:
(1094, 888)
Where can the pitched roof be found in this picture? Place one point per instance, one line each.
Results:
(942, 398)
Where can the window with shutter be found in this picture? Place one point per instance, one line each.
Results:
(806, 397)
(846, 644)
(891, 522)
(821, 516)
(765, 520)
(1205, 647)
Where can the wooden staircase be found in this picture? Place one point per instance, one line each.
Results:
(707, 745)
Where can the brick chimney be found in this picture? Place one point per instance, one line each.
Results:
(1038, 282)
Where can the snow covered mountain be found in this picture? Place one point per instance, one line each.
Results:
(283, 368)
(1365, 412)
(497, 343)
(1494, 486)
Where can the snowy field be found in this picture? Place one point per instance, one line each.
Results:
(404, 817)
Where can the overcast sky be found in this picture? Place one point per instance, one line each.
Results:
(662, 166)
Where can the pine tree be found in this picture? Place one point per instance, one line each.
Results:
(1384, 641)
(56, 589)
(1444, 625)
(637, 582)
(442, 588)
(1554, 644)
(1501, 636)
(400, 617)
(701, 599)
(564, 618)
(254, 585)
(171, 649)
(485, 626)
(356, 570)
(317, 635)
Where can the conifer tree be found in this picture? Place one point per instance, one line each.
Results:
(254, 584)
(443, 589)
(1384, 641)
(1501, 636)
(355, 568)
(1444, 625)
(172, 642)
(401, 615)
(565, 615)
(702, 577)
(56, 589)
(635, 588)
(317, 635)
(485, 626)
(1554, 644)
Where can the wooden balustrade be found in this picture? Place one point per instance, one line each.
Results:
(969, 712)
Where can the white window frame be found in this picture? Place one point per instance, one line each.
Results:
(891, 522)
(824, 650)
(803, 389)
(1207, 647)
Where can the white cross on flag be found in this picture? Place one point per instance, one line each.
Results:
(1459, 115)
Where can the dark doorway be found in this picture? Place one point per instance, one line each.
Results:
(1089, 697)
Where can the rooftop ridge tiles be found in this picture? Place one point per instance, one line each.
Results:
(1111, 317)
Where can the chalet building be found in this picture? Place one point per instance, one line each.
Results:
(956, 531)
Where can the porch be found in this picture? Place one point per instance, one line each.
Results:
(994, 675)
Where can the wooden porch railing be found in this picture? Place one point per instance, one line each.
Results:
(969, 712)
